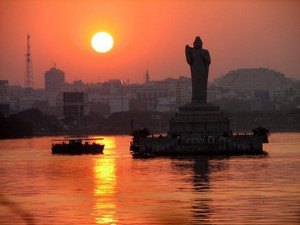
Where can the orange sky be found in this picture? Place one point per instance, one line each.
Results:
(147, 33)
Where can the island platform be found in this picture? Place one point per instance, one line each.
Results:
(198, 127)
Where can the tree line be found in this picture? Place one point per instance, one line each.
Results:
(33, 122)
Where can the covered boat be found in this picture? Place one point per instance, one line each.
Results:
(77, 145)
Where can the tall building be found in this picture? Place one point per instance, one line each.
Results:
(75, 105)
(54, 80)
(183, 90)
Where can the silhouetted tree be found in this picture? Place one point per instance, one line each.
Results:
(259, 131)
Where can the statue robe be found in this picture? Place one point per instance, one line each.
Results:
(199, 61)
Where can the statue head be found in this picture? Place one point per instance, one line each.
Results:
(198, 42)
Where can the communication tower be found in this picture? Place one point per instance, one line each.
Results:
(29, 73)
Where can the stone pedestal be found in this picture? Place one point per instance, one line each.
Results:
(196, 119)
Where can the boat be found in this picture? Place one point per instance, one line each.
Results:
(77, 146)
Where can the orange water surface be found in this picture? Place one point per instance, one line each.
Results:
(40, 188)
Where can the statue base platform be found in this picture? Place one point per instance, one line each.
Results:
(199, 107)
(196, 119)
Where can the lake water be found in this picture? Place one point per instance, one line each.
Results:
(40, 188)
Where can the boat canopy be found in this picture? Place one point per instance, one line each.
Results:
(77, 139)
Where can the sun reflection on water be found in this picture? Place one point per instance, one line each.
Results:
(109, 142)
(104, 190)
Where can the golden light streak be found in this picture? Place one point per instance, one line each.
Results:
(105, 183)
(109, 142)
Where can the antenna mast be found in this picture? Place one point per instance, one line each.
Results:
(29, 74)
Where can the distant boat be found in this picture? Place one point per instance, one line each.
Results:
(77, 146)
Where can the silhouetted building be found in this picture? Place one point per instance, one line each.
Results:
(254, 79)
(3, 87)
(54, 80)
(296, 90)
(213, 93)
(183, 90)
(75, 86)
(4, 108)
(31, 101)
(166, 104)
(115, 102)
(4, 98)
(260, 101)
(150, 92)
(75, 105)
(118, 104)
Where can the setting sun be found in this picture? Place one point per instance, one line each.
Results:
(102, 42)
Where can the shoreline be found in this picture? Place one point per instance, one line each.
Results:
(111, 133)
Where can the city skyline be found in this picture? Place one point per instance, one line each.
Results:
(147, 35)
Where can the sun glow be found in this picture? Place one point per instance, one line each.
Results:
(102, 42)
